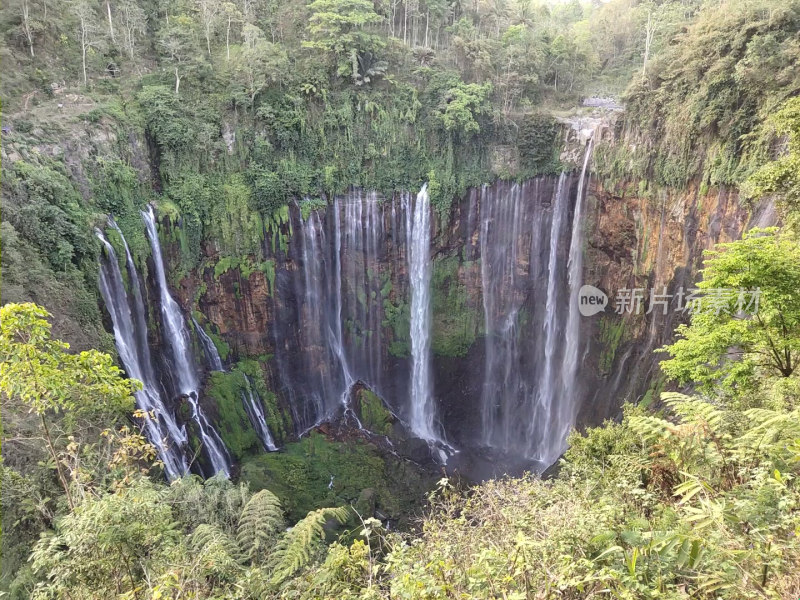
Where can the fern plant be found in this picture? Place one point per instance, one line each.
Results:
(216, 553)
(259, 524)
(297, 546)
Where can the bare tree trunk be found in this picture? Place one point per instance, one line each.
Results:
(650, 30)
(83, 57)
(26, 24)
(177, 81)
(228, 39)
(110, 22)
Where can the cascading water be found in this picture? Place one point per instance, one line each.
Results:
(131, 341)
(418, 231)
(335, 303)
(532, 339)
(568, 408)
(503, 219)
(254, 408)
(178, 342)
(209, 348)
(251, 400)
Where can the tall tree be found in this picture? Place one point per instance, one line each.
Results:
(88, 31)
(208, 12)
(259, 63)
(134, 25)
(340, 29)
(179, 46)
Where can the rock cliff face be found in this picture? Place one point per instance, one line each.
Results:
(325, 304)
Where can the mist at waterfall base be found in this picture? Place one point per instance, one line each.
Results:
(507, 406)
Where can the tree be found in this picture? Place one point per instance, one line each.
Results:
(209, 13)
(179, 45)
(110, 22)
(28, 24)
(134, 25)
(461, 104)
(338, 28)
(47, 379)
(259, 63)
(108, 545)
(727, 343)
(232, 15)
(88, 31)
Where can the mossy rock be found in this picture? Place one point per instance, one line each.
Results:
(300, 475)
(372, 412)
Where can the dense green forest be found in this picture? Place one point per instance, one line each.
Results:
(225, 111)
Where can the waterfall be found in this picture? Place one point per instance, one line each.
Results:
(352, 224)
(499, 235)
(418, 231)
(526, 278)
(335, 303)
(568, 405)
(547, 391)
(178, 341)
(130, 336)
(209, 348)
(254, 408)
(251, 400)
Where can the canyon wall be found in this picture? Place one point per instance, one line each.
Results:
(325, 304)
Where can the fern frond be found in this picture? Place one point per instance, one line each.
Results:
(297, 546)
(651, 429)
(259, 524)
(696, 412)
(216, 552)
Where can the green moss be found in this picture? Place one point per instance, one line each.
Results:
(398, 318)
(374, 415)
(455, 320)
(610, 335)
(167, 208)
(268, 267)
(300, 476)
(278, 421)
(233, 423)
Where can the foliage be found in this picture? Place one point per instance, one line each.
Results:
(699, 504)
(372, 413)
(106, 543)
(300, 476)
(456, 317)
(782, 176)
(259, 525)
(39, 373)
(339, 28)
(731, 337)
(698, 109)
(296, 548)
